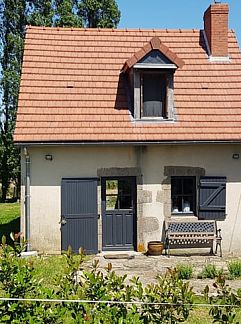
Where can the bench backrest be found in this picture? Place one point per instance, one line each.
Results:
(191, 227)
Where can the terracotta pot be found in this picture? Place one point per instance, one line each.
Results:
(155, 247)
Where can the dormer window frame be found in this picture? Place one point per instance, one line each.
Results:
(139, 70)
(153, 56)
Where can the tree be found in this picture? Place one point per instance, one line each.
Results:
(99, 13)
(12, 31)
(40, 13)
(66, 12)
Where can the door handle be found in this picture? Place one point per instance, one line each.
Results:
(63, 221)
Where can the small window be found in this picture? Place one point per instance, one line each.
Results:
(153, 93)
(183, 195)
(118, 194)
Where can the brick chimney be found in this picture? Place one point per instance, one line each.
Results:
(216, 29)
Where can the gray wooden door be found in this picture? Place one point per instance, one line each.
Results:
(79, 214)
(119, 213)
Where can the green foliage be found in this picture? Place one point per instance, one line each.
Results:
(107, 285)
(226, 298)
(40, 13)
(66, 12)
(17, 281)
(234, 268)
(12, 22)
(99, 13)
(210, 271)
(184, 271)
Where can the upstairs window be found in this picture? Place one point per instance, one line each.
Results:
(150, 74)
(153, 94)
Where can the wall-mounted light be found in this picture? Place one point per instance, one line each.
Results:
(235, 156)
(48, 157)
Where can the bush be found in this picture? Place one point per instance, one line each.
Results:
(234, 268)
(132, 303)
(107, 285)
(17, 281)
(210, 271)
(228, 300)
(184, 271)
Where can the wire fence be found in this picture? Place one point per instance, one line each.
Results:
(45, 300)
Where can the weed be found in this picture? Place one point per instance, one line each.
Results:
(210, 271)
(234, 268)
(184, 271)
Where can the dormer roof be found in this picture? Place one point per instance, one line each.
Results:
(154, 44)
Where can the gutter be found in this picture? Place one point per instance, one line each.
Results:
(122, 143)
(27, 198)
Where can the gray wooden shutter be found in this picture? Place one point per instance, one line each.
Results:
(152, 95)
(212, 198)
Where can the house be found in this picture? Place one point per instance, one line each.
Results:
(122, 129)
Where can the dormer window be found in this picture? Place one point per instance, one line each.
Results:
(150, 74)
(153, 94)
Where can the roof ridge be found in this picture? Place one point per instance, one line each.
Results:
(167, 30)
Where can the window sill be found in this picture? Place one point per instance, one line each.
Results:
(183, 214)
(154, 120)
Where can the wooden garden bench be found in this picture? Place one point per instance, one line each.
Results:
(192, 234)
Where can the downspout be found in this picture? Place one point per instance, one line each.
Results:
(27, 197)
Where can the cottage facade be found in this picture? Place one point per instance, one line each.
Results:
(123, 129)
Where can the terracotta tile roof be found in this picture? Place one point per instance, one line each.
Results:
(71, 89)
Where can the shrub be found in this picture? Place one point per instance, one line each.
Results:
(107, 285)
(17, 281)
(184, 271)
(226, 298)
(234, 268)
(210, 271)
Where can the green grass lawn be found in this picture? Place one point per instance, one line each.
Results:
(48, 269)
(9, 219)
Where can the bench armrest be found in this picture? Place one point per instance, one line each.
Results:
(219, 236)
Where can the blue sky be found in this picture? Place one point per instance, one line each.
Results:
(173, 14)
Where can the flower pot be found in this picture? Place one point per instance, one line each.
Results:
(155, 247)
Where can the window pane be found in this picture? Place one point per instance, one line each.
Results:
(111, 202)
(188, 204)
(176, 204)
(176, 185)
(125, 186)
(188, 186)
(125, 202)
(112, 187)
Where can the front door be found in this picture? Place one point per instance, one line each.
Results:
(79, 216)
(119, 213)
